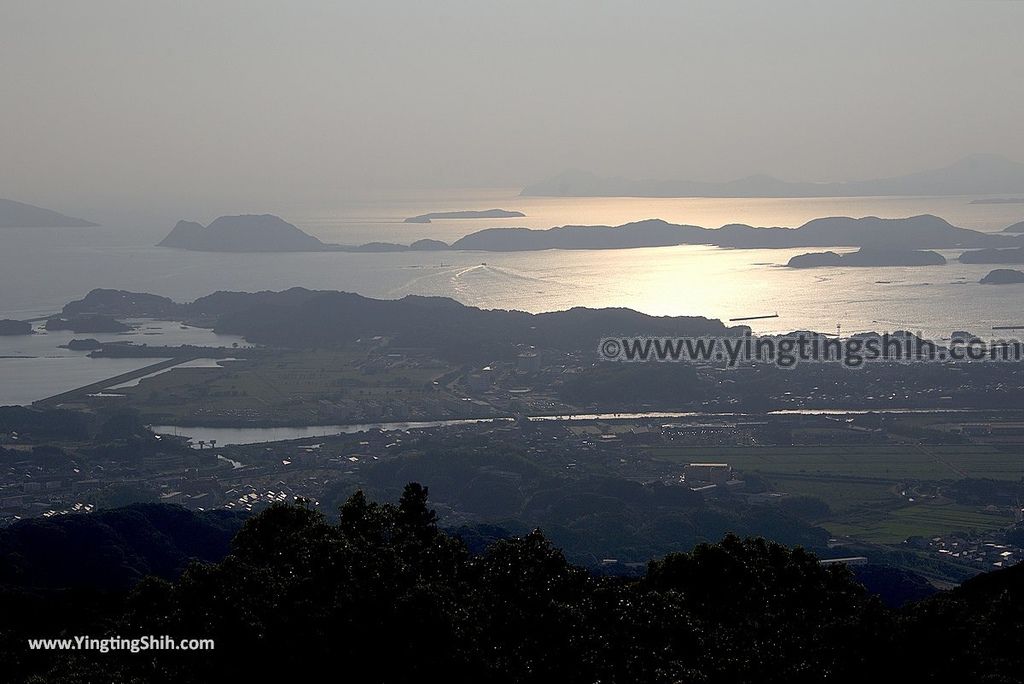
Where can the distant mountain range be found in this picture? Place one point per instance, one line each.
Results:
(267, 233)
(979, 174)
(20, 215)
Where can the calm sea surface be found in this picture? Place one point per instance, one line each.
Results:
(42, 269)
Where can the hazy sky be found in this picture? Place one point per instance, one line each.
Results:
(140, 103)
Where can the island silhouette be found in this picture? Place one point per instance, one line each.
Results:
(20, 215)
(268, 233)
(865, 257)
(484, 214)
(1003, 276)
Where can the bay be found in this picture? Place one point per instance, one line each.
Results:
(42, 269)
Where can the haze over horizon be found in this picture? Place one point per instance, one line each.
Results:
(116, 106)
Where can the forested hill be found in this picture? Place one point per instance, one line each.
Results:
(384, 595)
(307, 318)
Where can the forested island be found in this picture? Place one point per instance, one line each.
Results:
(1003, 276)
(867, 258)
(916, 232)
(994, 256)
(247, 233)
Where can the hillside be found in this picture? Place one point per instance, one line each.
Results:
(304, 318)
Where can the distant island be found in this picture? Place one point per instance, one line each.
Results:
(916, 232)
(977, 174)
(246, 233)
(485, 214)
(10, 327)
(993, 256)
(267, 233)
(1000, 200)
(1003, 276)
(88, 344)
(868, 257)
(429, 245)
(20, 215)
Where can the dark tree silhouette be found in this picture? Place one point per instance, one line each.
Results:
(384, 595)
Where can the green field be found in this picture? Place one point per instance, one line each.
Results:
(306, 387)
(866, 486)
(924, 519)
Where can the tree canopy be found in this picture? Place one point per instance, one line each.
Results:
(385, 595)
